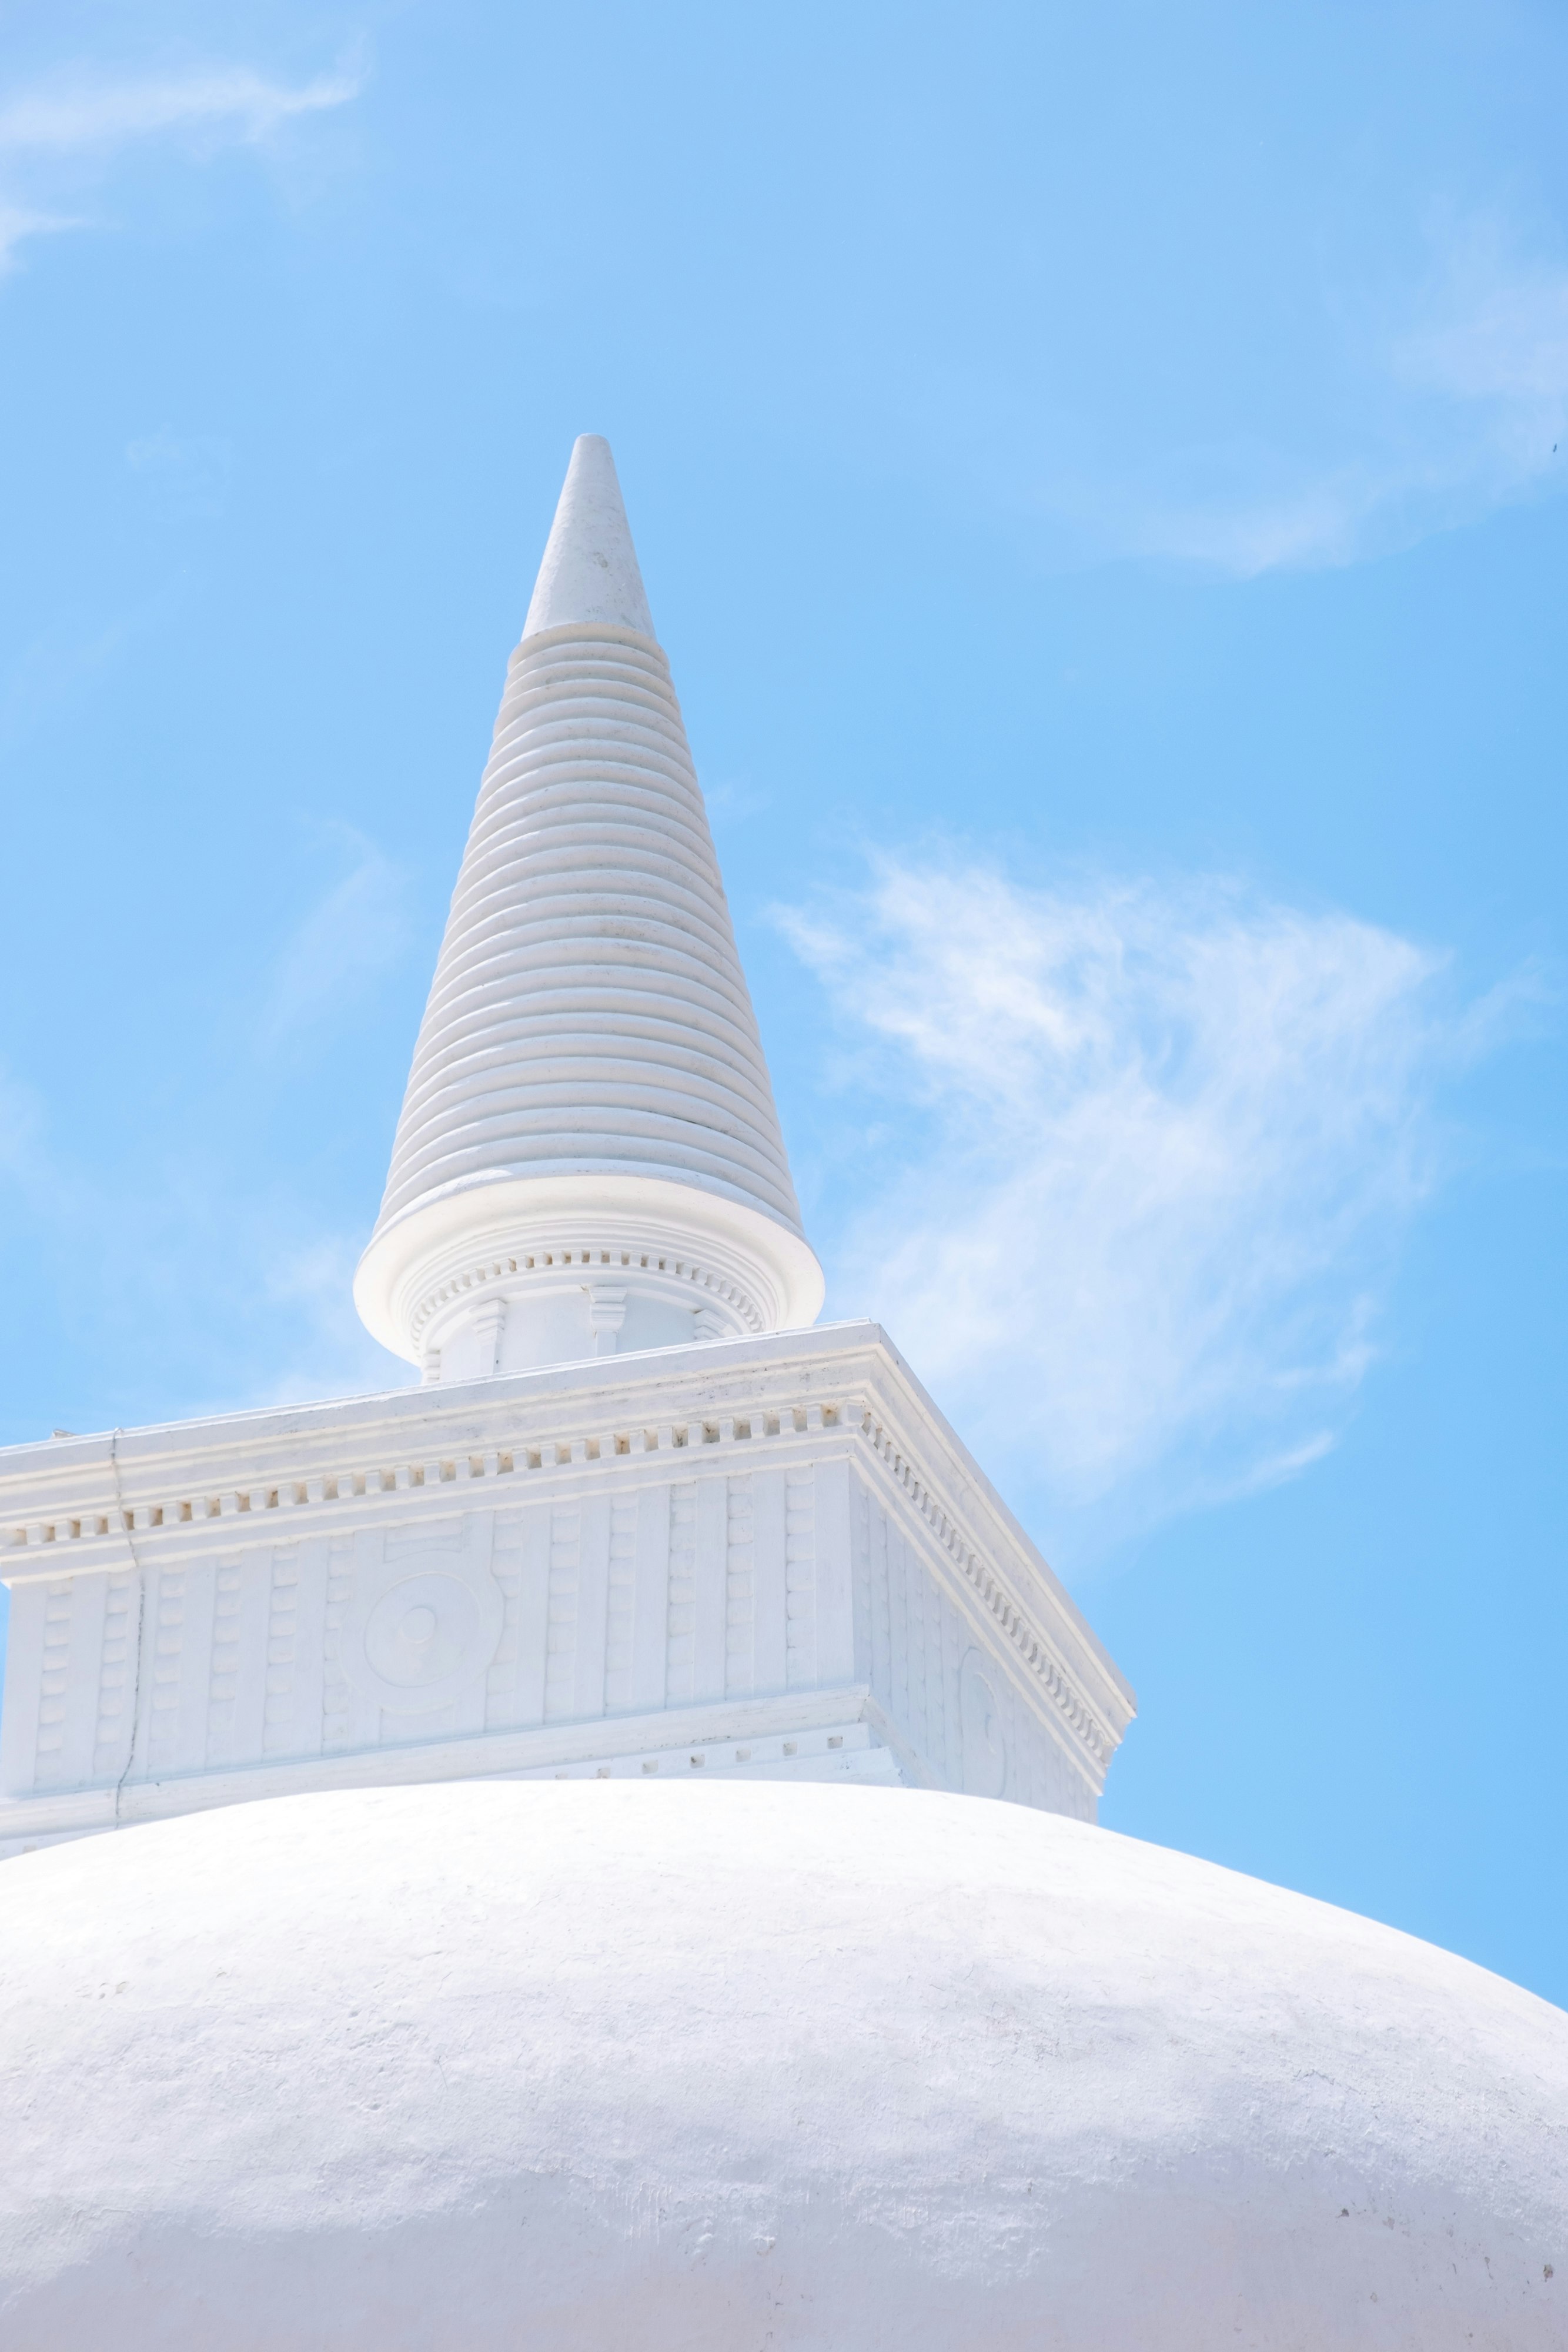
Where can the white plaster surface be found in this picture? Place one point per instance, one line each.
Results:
(589, 1154)
(590, 571)
(710, 2069)
(720, 1545)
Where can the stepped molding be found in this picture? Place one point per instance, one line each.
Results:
(594, 1262)
(729, 1411)
(589, 1023)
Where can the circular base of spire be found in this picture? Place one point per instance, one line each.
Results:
(518, 1272)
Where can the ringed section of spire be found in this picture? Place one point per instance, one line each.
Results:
(588, 1011)
(588, 1157)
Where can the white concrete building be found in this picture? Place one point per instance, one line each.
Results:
(640, 1517)
(358, 2038)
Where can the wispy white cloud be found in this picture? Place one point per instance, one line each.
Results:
(1463, 408)
(1329, 518)
(192, 1267)
(72, 118)
(1157, 1149)
(1501, 334)
(355, 932)
(328, 1352)
(57, 138)
(19, 222)
(220, 1292)
(64, 655)
(1497, 349)
(22, 1127)
(1412, 396)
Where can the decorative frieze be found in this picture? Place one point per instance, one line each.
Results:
(560, 1616)
(288, 1494)
(597, 1545)
(620, 1615)
(681, 1613)
(800, 1576)
(603, 1270)
(112, 1731)
(54, 1663)
(739, 1587)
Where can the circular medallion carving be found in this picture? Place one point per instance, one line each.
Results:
(420, 1635)
(423, 1630)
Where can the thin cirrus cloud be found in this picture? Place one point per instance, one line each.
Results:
(329, 965)
(1499, 345)
(189, 1268)
(1157, 1149)
(1408, 406)
(234, 99)
(327, 1352)
(1467, 405)
(54, 140)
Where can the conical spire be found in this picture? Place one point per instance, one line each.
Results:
(590, 571)
(588, 1153)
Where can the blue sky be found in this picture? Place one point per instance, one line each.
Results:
(1098, 476)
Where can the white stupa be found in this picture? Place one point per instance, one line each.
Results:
(383, 1965)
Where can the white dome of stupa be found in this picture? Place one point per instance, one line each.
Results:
(703, 2068)
(596, 1854)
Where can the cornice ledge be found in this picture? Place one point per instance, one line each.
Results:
(952, 1493)
(261, 1477)
(1096, 1740)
